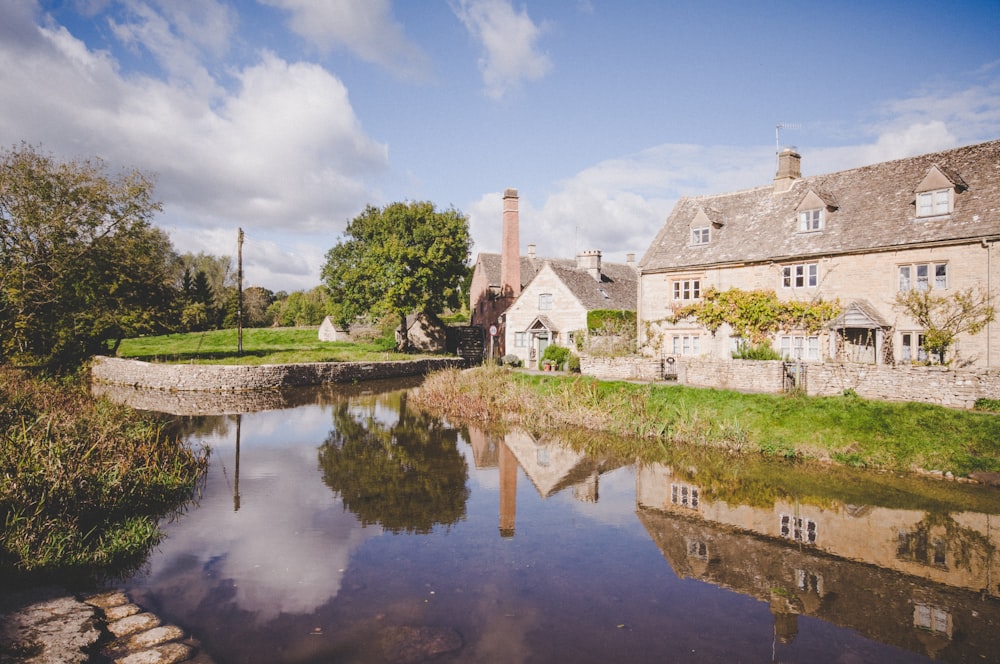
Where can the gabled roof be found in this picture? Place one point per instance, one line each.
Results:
(490, 264)
(874, 208)
(617, 289)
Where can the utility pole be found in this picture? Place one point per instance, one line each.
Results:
(239, 294)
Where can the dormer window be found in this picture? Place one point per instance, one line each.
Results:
(700, 235)
(935, 195)
(810, 220)
(701, 226)
(812, 210)
(933, 203)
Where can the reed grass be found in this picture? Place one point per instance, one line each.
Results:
(845, 430)
(83, 481)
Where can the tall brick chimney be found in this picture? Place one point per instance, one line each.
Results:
(510, 251)
(789, 170)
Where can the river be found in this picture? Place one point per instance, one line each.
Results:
(341, 525)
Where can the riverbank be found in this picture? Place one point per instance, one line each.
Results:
(847, 430)
(52, 626)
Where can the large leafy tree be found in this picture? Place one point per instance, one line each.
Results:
(402, 258)
(80, 262)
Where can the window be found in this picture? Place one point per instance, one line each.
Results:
(684, 495)
(921, 276)
(810, 220)
(700, 235)
(799, 347)
(802, 275)
(912, 348)
(932, 203)
(697, 549)
(520, 339)
(932, 618)
(686, 344)
(545, 302)
(687, 289)
(798, 529)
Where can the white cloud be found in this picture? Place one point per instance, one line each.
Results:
(283, 151)
(364, 27)
(510, 43)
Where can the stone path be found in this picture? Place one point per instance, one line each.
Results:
(48, 626)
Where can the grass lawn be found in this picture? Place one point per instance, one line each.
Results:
(270, 345)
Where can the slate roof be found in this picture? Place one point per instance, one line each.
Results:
(868, 208)
(617, 289)
(490, 264)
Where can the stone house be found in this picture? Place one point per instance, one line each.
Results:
(553, 307)
(859, 237)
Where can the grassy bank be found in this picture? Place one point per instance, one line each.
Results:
(260, 346)
(846, 430)
(83, 482)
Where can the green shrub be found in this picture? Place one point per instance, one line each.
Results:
(558, 355)
(510, 360)
(761, 351)
(573, 364)
(990, 405)
(610, 319)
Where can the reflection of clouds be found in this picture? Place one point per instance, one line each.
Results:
(285, 549)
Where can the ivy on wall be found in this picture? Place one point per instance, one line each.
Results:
(755, 315)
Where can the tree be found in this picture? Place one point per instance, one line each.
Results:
(402, 258)
(80, 263)
(944, 317)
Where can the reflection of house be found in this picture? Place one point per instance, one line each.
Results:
(553, 466)
(553, 306)
(860, 236)
(851, 566)
(959, 550)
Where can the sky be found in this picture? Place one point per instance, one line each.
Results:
(286, 118)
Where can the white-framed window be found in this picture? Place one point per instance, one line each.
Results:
(684, 495)
(922, 276)
(933, 203)
(932, 618)
(911, 347)
(700, 235)
(793, 347)
(520, 339)
(545, 301)
(687, 289)
(798, 529)
(697, 549)
(800, 275)
(686, 344)
(810, 220)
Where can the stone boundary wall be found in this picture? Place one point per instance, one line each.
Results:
(957, 388)
(244, 378)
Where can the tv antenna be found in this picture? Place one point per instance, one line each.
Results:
(777, 140)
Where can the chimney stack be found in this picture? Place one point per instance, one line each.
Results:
(531, 251)
(591, 262)
(789, 170)
(630, 259)
(510, 251)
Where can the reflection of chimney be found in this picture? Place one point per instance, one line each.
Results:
(591, 262)
(789, 170)
(510, 251)
(508, 491)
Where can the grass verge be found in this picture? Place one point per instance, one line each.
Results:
(260, 346)
(845, 430)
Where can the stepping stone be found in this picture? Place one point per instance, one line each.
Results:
(132, 624)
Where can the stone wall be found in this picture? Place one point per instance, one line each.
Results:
(241, 378)
(958, 388)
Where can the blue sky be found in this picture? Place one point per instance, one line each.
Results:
(288, 117)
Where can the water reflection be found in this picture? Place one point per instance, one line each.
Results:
(407, 476)
(851, 565)
(365, 528)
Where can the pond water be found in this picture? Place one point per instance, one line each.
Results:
(345, 526)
